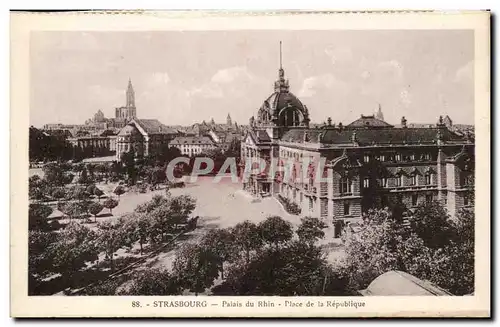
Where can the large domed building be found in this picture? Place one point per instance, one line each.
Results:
(337, 172)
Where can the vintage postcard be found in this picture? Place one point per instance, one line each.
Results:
(220, 164)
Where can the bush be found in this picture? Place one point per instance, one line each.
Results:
(291, 207)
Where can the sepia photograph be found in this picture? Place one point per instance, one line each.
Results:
(198, 164)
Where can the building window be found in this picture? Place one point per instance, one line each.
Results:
(429, 198)
(345, 185)
(412, 157)
(311, 203)
(466, 200)
(427, 179)
(398, 157)
(366, 158)
(382, 158)
(414, 199)
(347, 208)
(427, 156)
(399, 181)
(384, 182)
(366, 182)
(413, 180)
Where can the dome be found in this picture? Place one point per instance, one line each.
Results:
(283, 108)
(278, 101)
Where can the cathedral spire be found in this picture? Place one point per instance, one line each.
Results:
(379, 114)
(130, 95)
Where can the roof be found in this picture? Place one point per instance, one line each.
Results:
(154, 126)
(280, 100)
(129, 129)
(400, 283)
(368, 121)
(259, 136)
(180, 140)
(387, 136)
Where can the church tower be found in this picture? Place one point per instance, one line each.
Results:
(130, 103)
(130, 95)
(229, 122)
(379, 114)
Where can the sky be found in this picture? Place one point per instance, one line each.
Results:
(184, 77)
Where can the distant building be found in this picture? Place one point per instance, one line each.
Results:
(399, 283)
(144, 137)
(91, 145)
(129, 111)
(192, 145)
(68, 127)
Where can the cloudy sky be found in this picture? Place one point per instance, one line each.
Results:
(187, 77)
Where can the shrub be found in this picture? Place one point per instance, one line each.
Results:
(291, 207)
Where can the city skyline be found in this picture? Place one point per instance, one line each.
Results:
(75, 74)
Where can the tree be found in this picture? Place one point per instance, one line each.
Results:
(294, 269)
(196, 267)
(37, 188)
(95, 208)
(119, 190)
(110, 204)
(76, 245)
(110, 239)
(157, 176)
(74, 210)
(38, 214)
(431, 222)
(275, 231)
(221, 243)
(98, 192)
(56, 174)
(128, 160)
(372, 250)
(153, 282)
(247, 238)
(453, 266)
(311, 229)
(151, 205)
(84, 177)
(137, 228)
(39, 256)
(78, 193)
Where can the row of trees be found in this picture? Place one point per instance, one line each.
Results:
(268, 258)
(75, 249)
